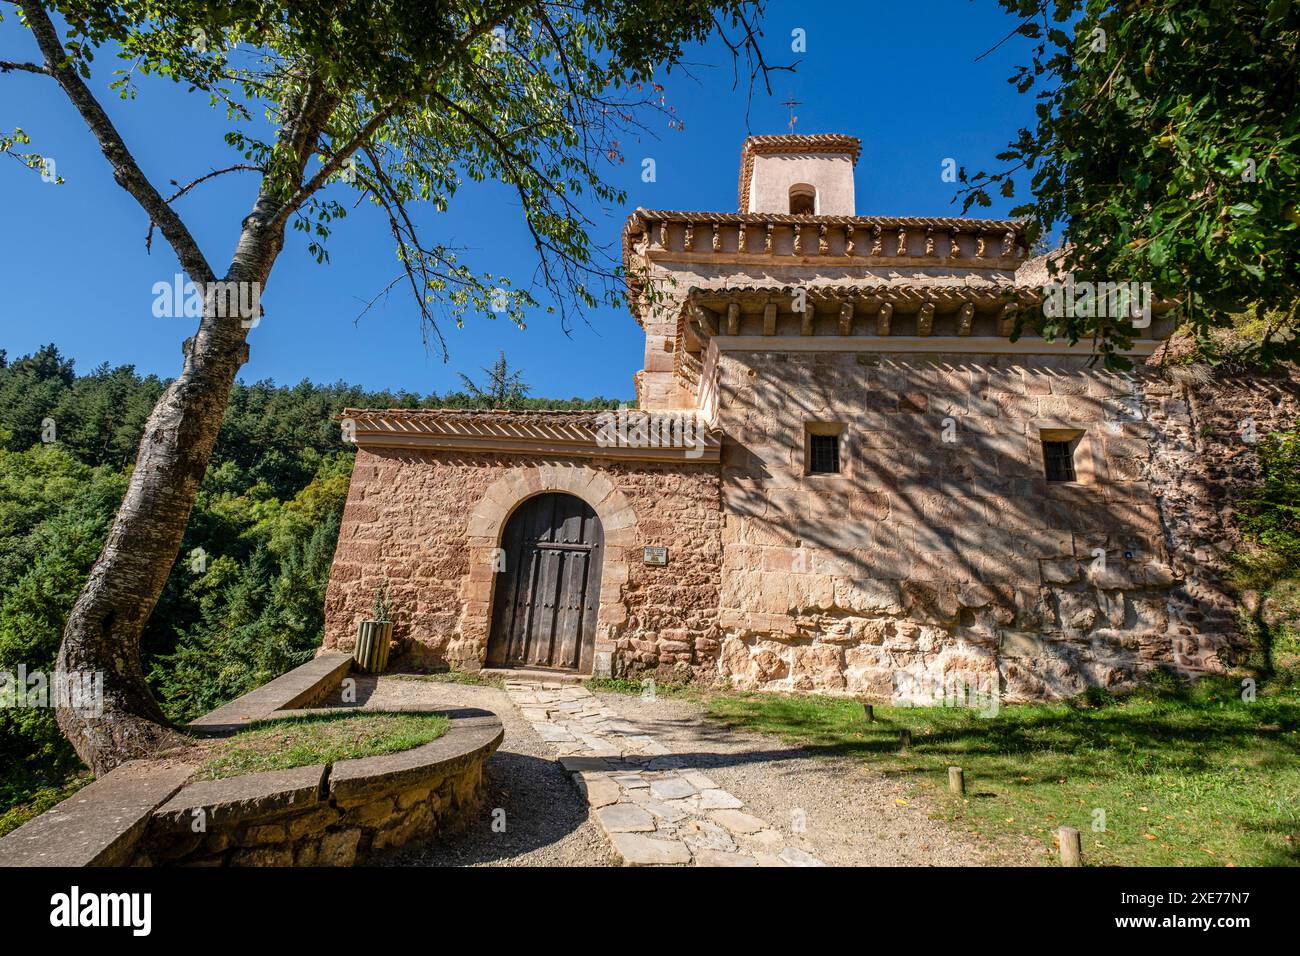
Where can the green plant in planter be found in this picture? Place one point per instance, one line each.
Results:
(374, 635)
(383, 607)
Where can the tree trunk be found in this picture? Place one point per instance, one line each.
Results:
(102, 635)
(103, 632)
(104, 629)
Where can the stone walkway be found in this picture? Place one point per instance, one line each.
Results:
(654, 811)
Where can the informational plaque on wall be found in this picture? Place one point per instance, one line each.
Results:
(655, 556)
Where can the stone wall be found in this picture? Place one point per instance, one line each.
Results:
(940, 556)
(427, 522)
(1207, 468)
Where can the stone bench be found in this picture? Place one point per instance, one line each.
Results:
(304, 685)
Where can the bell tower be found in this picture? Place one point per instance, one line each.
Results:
(798, 175)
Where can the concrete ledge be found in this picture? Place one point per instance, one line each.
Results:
(100, 824)
(245, 798)
(144, 813)
(305, 684)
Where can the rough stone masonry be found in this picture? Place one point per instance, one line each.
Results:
(904, 494)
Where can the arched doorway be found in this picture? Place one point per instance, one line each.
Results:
(548, 592)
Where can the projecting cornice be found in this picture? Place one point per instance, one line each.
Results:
(947, 317)
(677, 436)
(777, 239)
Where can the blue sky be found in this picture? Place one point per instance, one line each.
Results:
(74, 270)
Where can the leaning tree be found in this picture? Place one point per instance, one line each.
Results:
(399, 100)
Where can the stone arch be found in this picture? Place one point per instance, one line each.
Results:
(803, 199)
(483, 537)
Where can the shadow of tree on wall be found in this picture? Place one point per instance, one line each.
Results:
(943, 497)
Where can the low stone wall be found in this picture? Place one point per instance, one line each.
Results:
(151, 813)
(327, 815)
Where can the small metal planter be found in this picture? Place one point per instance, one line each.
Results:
(371, 651)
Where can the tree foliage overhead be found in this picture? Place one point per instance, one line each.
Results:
(1167, 144)
(407, 101)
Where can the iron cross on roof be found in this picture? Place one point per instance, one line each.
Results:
(792, 103)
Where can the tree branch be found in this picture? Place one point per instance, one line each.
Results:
(238, 167)
(8, 66)
(381, 116)
(125, 169)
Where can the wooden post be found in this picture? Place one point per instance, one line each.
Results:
(1071, 853)
(905, 738)
(956, 781)
(868, 712)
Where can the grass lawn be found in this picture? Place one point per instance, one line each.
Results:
(636, 688)
(318, 738)
(1185, 778)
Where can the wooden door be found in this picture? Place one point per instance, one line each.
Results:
(548, 593)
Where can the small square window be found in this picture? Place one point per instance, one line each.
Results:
(823, 454)
(1058, 460)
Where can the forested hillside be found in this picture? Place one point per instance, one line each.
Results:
(244, 600)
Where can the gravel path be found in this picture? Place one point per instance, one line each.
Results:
(546, 819)
(836, 808)
(847, 813)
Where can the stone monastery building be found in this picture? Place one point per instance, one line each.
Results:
(843, 475)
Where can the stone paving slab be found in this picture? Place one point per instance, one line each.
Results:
(655, 809)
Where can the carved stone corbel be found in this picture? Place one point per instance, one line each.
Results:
(706, 319)
(823, 246)
(848, 241)
(798, 240)
(663, 233)
(769, 317)
(925, 319)
(740, 238)
(954, 247)
(902, 243)
(690, 236)
(884, 318)
(846, 318)
(733, 318)
(979, 246)
(877, 242)
(929, 242)
(717, 238)
(965, 317)
(767, 240)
